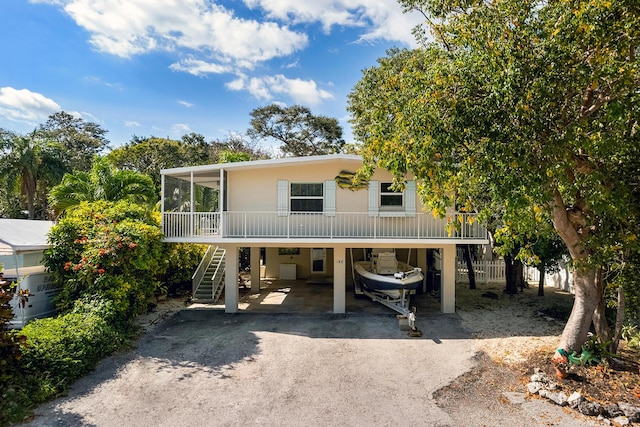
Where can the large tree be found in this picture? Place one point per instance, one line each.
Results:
(150, 155)
(538, 98)
(81, 140)
(300, 132)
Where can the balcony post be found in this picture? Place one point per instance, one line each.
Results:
(221, 197)
(162, 221)
(191, 199)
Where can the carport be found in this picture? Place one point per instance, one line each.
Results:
(335, 293)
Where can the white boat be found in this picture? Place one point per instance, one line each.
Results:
(383, 273)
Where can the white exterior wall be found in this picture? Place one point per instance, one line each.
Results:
(256, 189)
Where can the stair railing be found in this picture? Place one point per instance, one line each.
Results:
(217, 278)
(197, 277)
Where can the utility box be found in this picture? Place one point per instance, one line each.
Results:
(287, 272)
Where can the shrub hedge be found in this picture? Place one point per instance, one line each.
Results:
(59, 350)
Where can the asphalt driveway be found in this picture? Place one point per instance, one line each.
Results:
(204, 367)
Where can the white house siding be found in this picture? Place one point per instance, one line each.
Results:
(257, 190)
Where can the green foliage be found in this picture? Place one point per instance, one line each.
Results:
(112, 250)
(181, 260)
(530, 108)
(61, 349)
(631, 334)
(10, 397)
(80, 140)
(150, 155)
(300, 132)
(29, 166)
(103, 182)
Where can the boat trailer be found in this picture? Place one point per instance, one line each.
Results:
(401, 305)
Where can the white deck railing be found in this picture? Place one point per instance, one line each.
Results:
(317, 225)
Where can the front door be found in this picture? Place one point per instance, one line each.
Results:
(318, 260)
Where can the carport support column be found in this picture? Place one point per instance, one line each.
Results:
(421, 255)
(448, 285)
(231, 293)
(339, 279)
(254, 260)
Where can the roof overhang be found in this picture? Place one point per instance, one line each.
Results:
(23, 235)
(209, 175)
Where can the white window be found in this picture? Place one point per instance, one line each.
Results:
(306, 197)
(385, 202)
(390, 199)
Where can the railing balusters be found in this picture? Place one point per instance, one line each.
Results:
(309, 225)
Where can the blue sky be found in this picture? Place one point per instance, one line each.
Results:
(170, 67)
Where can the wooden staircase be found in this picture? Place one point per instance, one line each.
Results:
(208, 280)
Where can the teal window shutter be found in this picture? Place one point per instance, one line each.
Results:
(410, 198)
(374, 190)
(330, 198)
(283, 197)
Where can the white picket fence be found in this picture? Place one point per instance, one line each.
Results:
(494, 272)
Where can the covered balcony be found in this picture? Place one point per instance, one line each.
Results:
(252, 202)
(217, 226)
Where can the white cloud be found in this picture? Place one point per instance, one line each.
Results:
(98, 81)
(131, 124)
(208, 38)
(301, 91)
(198, 67)
(180, 129)
(185, 103)
(23, 105)
(327, 12)
(138, 26)
(380, 19)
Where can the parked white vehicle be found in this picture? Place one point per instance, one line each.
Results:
(22, 245)
(35, 304)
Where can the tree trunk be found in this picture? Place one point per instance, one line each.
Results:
(572, 231)
(466, 250)
(542, 269)
(599, 316)
(511, 285)
(518, 274)
(619, 321)
(585, 302)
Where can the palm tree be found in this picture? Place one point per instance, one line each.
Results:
(103, 182)
(31, 165)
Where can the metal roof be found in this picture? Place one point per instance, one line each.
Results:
(23, 235)
(209, 175)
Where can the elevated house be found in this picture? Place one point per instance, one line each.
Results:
(301, 219)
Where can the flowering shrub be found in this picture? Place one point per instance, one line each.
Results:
(109, 249)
